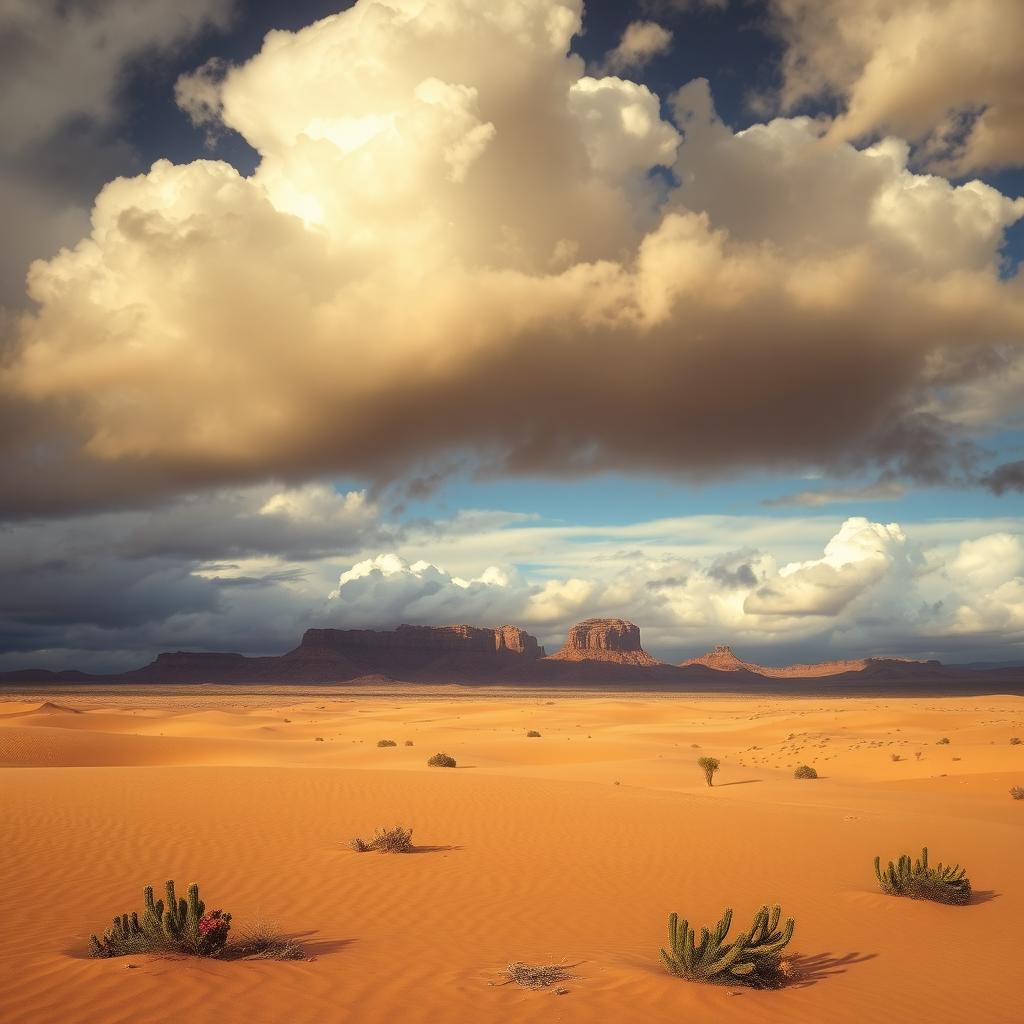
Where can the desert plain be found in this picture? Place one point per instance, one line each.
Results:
(570, 847)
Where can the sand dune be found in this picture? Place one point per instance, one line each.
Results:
(573, 846)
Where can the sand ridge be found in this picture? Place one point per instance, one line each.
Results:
(572, 846)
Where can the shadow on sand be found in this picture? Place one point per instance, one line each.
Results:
(809, 970)
(982, 896)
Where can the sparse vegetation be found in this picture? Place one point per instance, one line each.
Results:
(708, 765)
(895, 757)
(805, 771)
(386, 840)
(386, 743)
(1015, 741)
(1017, 792)
(263, 941)
(753, 959)
(533, 734)
(919, 881)
(944, 742)
(540, 976)
(408, 743)
(441, 761)
(171, 926)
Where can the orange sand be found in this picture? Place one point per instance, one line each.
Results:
(533, 852)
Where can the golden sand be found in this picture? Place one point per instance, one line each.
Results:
(569, 848)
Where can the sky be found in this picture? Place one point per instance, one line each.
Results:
(707, 314)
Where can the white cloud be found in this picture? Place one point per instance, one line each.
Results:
(640, 43)
(221, 575)
(386, 591)
(946, 73)
(860, 555)
(62, 64)
(448, 213)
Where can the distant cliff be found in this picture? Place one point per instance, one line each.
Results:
(597, 652)
(609, 640)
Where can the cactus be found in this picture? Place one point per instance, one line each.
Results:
(919, 881)
(753, 959)
(709, 765)
(179, 925)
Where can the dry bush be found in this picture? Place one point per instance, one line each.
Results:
(263, 940)
(805, 771)
(540, 976)
(1017, 792)
(441, 761)
(386, 743)
(386, 840)
(943, 742)
(533, 734)
(408, 743)
(708, 765)
(1015, 741)
(895, 757)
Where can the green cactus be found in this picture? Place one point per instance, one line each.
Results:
(178, 925)
(919, 881)
(753, 959)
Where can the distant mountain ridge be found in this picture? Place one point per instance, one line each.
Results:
(722, 659)
(601, 651)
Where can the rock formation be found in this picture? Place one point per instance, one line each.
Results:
(721, 659)
(422, 640)
(609, 640)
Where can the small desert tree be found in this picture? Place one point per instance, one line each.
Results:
(708, 765)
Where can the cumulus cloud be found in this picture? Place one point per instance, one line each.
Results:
(123, 587)
(640, 43)
(945, 73)
(857, 557)
(225, 569)
(386, 591)
(62, 67)
(872, 588)
(451, 224)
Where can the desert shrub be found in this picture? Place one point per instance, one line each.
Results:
(805, 771)
(533, 734)
(1017, 792)
(943, 742)
(708, 765)
(753, 959)
(263, 941)
(919, 881)
(386, 840)
(540, 976)
(408, 743)
(441, 761)
(386, 743)
(318, 739)
(174, 926)
(1015, 741)
(895, 757)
